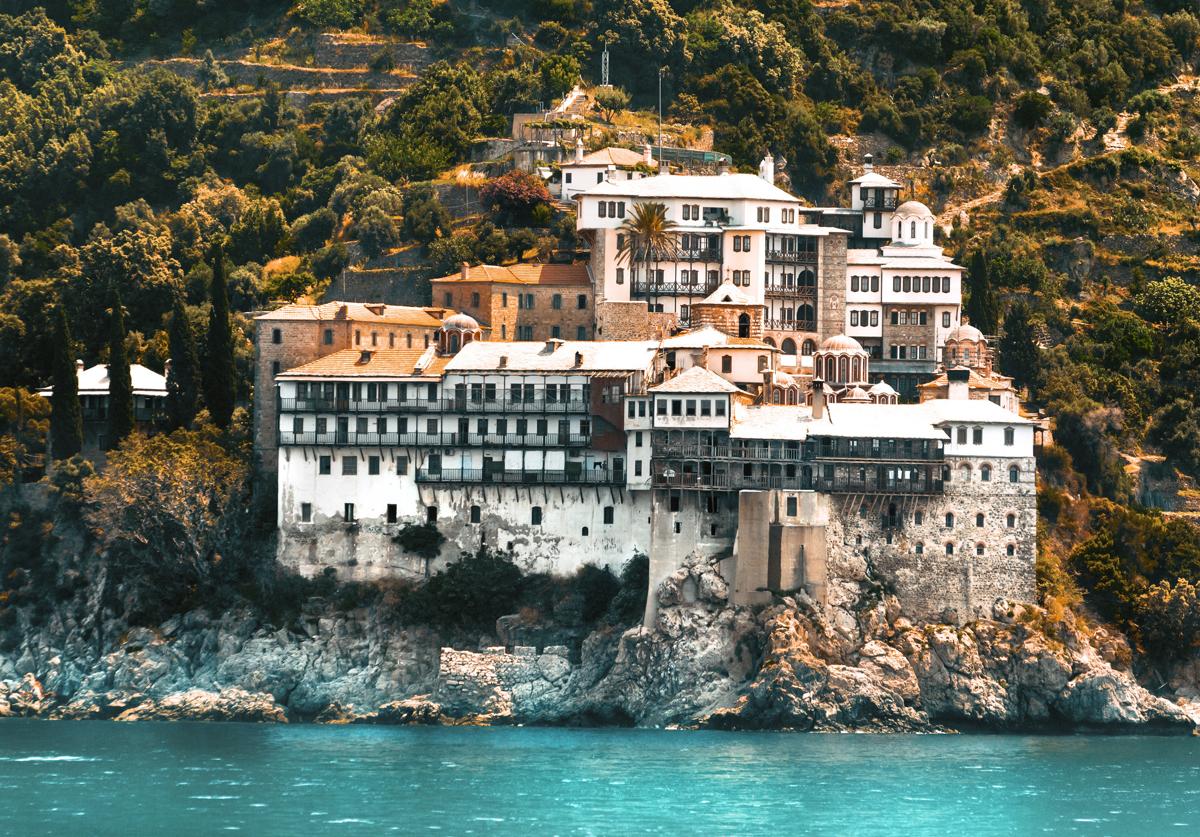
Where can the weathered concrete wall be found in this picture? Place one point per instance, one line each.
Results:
(795, 544)
(682, 534)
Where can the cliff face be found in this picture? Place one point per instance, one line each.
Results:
(703, 664)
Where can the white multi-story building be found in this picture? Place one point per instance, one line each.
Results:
(564, 453)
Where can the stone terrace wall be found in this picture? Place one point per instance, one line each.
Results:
(287, 75)
(344, 50)
(498, 682)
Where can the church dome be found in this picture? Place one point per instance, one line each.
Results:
(882, 388)
(856, 394)
(966, 333)
(460, 322)
(841, 343)
(914, 209)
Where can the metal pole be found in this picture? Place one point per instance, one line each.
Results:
(660, 119)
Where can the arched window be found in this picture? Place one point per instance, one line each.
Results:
(913, 230)
(830, 368)
(762, 363)
(979, 520)
(743, 325)
(806, 314)
(1011, 521)
(453, 343)
(789, 346)
(474, 514)
(985, 473)
(919, 548)
(949, 548)
(807, 279)
(855, 369)
(964, 473)
(777, 397)
(1010, 550)
(807, 348)
(949, 520)
(843, 369)
(792, 397)
(1014, 474)
(770, 341)
(978, 549)
(535, 516)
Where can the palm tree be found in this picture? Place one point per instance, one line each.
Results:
(648, 234)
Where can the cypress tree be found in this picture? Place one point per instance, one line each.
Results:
(120, 382)
(219, 373)
(183, 390)
(66, 419)
(1019, 353)
(982, 308)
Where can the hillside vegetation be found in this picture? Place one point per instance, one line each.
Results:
(1057, 139)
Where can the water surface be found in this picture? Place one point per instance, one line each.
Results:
(185, 778)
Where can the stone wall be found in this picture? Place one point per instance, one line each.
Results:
(631, 321)
(831, 286)
(347, 50)
(287, 76)
(724, 317)
(497, 683)
(911, 334)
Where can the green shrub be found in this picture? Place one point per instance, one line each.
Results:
(422, 539)
(629, 605)
(471, 593)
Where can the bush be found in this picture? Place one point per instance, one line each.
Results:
(1168, 618)
(331, 13)
(1031, 109)
(515, 194)
(629, 605)
(597, 588)
(422, 539)
(472, 593)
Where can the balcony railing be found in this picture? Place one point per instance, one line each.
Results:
(792, 256)
(435, 440)
(886, 202)
(675, 253)
(719, 481)
(452, 404)
(586, 476)
(774, 324)
(793, 290)
(702, 287)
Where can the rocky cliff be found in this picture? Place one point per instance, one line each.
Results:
(702, 664)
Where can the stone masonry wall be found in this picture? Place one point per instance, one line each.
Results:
(831, 290)
(631, 321)
(499, 682)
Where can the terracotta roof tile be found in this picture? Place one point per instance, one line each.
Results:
(361, 312)
(373, 364)
(524, 274)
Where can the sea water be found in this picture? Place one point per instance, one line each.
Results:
(85, 778)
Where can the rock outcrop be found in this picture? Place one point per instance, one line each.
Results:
(703, 663)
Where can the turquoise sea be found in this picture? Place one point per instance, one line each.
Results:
(85, 778)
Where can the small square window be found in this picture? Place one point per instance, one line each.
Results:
(349, 465)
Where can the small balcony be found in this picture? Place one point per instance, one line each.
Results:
(876, 202)
(808, 257)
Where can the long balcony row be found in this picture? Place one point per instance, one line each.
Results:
(798, 481)
(672, 253)
(465, 404)
(793, 452)
(435, 440)
(792, 256)
(699, 288)
(586, 476)
(772, 323)
(790, 291)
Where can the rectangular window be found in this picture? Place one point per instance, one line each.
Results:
(961, 436)
(373, 465)
(603, 207)
(676, 407)
(401, 466)
(660, 407)
(349, 466)
(977, 436)
(391, 513)
(276, 336)
(637, 439)
(853, 318)
(791, 506)
(323, 465)
(945, 319)
(608, 515)
(637, 467)
(504, 299)
(298, 425)
(706, 407)
(306, 512)
(348, 512)
(691, 407)
(620, 276)
(719, 404)
(328, 338)
(556, 302)
(475, 300)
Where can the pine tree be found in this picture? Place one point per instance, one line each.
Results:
(183, 389)
(66, 419)
(120, 382)
(219, 374)
(982, 308)
(1019, 353)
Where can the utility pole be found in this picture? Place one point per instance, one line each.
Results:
(660, 135)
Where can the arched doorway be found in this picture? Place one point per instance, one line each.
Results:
(743, 325)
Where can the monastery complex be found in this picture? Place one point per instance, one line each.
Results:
(787, 391)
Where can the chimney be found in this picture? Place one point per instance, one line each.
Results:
(957, 383)
(78, 365)
(167, 368)
(723, 166)
(647, 155)
(466, 271)
(818, 399)
(503, 363)
(868, 163)
(578, 359)
(610, 174)
(766, 169)
(579, 149)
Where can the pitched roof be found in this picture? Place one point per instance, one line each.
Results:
(728, 293)
(700, 186)
(974, 380)
(556, 356)
(360, 312)
(696, 379)
(973, 410)
(866, 421)
(94, 381)
(523, 274)
(372, 363)
(611, 156)
(874, 178)
(712, 337)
